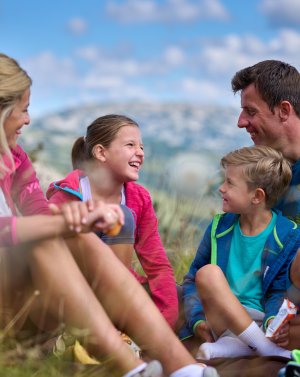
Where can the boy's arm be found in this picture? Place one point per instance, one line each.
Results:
(192, 304)
(278, 287)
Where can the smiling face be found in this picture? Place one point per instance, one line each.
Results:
(264, 127)
(17, 119)
(236, 195)
(125, 155)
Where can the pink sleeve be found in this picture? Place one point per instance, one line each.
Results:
(153, 258)
(59, 197)
(26, 190)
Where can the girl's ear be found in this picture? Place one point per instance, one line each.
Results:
(259, 196)
(99, 152)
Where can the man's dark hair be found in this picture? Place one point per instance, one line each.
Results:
(275, 81)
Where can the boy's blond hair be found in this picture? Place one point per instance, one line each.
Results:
(264, 168)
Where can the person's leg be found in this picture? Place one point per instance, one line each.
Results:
(223, 311)
(226, 346)
(128, 305)
(67, 297)
(16, 294)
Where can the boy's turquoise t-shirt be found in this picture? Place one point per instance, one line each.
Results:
(244, 265)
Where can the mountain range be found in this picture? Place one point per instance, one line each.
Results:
(183, 141)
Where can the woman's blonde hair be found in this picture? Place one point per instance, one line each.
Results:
(264, 168)
(14, 81)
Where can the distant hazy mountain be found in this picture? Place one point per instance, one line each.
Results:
(183, 142)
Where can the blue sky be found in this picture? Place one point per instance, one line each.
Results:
(79, 51)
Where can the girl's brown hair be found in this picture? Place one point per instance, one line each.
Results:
(102, 130)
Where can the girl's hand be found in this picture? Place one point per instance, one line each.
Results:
(110, 220)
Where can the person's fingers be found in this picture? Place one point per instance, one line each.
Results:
(111, 217)
(83, 211)
(283, 344)
(68, 216)
(90, 205)
(120, 213)
(55, 210)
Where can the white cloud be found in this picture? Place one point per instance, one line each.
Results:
(287, 43)
(48, 70)
(233, 52)
(77, 26)
(199, 73)
(136, 11)
(92, 81)
(201, 88)
(282, 12)
(174, 56)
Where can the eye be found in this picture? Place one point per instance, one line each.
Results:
(250, 112)
(142, 147)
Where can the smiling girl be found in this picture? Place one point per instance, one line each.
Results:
(107, 162)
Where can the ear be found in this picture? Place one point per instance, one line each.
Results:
(99, 152)
(285, 109)
(259, 196)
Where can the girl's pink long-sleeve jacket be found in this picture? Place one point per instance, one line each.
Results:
(22, 193)
(148, 245)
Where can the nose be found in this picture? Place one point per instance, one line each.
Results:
(242, 120)
(27, 119)
(140, 152)
(221, 188)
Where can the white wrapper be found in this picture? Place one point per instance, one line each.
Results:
(287, 311)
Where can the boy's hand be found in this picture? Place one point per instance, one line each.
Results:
(203, 332)
(282, 337)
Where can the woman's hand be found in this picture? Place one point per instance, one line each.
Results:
(90, 216)
(74, 213)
